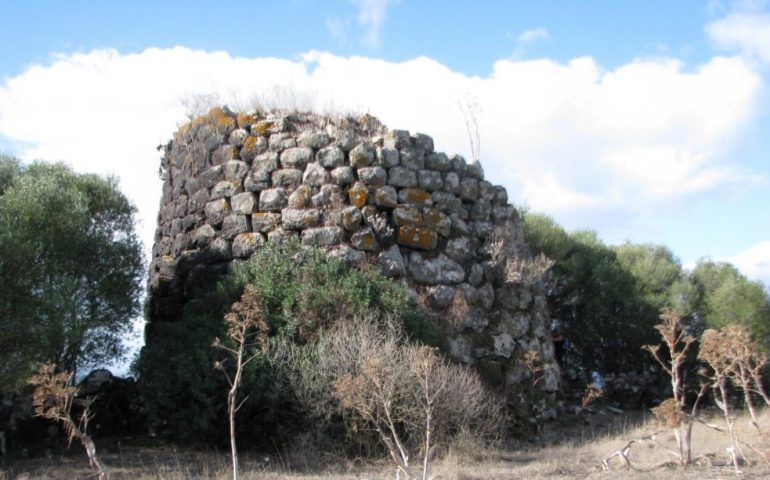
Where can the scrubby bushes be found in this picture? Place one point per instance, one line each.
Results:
(302, 292)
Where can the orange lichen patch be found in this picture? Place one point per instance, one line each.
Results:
(358, 196)
(417, 237)
(220, 119)
(260, 128)
(417, 196)
(183, 130)
(245, 119)
(249, 144)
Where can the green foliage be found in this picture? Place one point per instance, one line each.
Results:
(593, 294)
(70, 268)
(723, 296)
(302, 291)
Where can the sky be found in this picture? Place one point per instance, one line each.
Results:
(647, 122)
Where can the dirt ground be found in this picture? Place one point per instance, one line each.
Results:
(560, 451)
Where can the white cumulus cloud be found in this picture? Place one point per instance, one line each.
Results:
(745, 31)
(754, 262)
(570, 139)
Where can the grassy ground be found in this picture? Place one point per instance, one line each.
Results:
(561, 452)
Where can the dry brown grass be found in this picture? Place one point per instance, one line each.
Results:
(464, 460)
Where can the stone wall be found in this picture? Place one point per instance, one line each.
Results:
(235, 181)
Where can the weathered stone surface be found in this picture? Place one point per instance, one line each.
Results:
(300, 197)
(245, 244)
(379, 223)
(343, 175)
(265, 222)
(376, 176)
(349, 255)
(391, 262)
(423, 142)
(446, 202)
(469, 189)
(203, 235)
(441, 296)
(387, 157)
(327, 196)
(253, 146)
(476, 276)
(481, 210)
(439, 270)
(358, 194)
(237, 137)
(386, 197)
(397, 139)
(413, 158)
(322, 236)
(486, 296)
(433, 218)
(235, 170)
(438, 161)
(313, 139)
(330, 157)
(430, 180)
(281, 141)
(224, 154)
(216, 210)
(402, 177)
(198, 200)
(417, 237)
(289, 178)
(262, 168)
(407, 216)
(225, 188)
(415, 196)
(272, 200)
(452, 183)
(351, 218)
(300, 219)
(362, 155)
(364, 239)
(296, 157)
(515, 325)
(234, 224)
(315, 175)
(459, 249)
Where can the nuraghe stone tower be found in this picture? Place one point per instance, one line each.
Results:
(235, 181)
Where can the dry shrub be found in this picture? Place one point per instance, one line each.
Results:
(352, 372)
(53, 397)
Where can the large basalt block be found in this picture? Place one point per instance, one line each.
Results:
(435, 271)
(417, 237)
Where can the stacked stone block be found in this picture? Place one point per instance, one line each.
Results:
(233, 182)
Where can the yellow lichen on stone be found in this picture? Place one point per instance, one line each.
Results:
(245, 119)
(262, 127)
(417, 237)
(417, 196)
(358, 196)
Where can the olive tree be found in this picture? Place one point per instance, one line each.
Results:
(70, 269)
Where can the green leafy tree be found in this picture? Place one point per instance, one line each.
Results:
(595, 296)
(70, 269)
(724, 296)
(657, 272)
